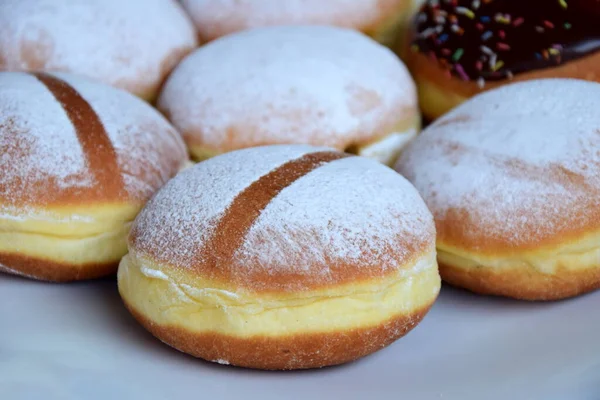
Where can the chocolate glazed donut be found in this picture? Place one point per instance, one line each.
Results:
(484, 43)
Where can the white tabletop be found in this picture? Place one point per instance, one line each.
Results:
(78, 342)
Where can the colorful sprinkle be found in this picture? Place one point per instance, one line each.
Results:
(465, 11)
(486, 50)
(481, 40)
(553, 52)
(461, 72)
(457, 29)
(457, 54)
(502, 19)
(427, 33)
(518, 21)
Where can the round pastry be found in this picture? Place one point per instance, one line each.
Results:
(281, 257)
(130, 44)
(78, 161)
(513, 180)
(460, 48)
(379, 19)
(313, 85)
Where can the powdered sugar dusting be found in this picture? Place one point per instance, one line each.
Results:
(181, 215)
(148, 147)
(33, 124)
(350, 210)
(520, 164)
(215, 18)
(123, 43)
(353, 210)
(40, 153)
(318, 85)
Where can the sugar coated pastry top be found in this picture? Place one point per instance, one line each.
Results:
(522, 163)
(317, 85)
(285, 218)
(68, 140)
(496, 39)
(131, 44)
(215, 18)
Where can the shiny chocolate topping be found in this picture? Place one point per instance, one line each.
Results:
(489, 40)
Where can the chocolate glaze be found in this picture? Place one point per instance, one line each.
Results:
(488, 40)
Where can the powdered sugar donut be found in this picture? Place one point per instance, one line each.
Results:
(130, 44)
(379, 19)
(280, 85)
(513, 180)
(281, 257)
(78, 161)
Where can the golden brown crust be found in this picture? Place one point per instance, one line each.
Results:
(521, 283)
(311, 350)
(214, 260)
(463, 228)
(105, 167)
(52, 271)
(247, 206)
(519, 204)
(425, 70)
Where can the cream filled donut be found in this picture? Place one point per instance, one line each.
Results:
(378, 19)
(281, 257)
(513, 180)
(129, 44)
(78, 161)
(312, 85)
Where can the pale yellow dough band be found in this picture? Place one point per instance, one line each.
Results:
(576, 256)
(434, 101)
(76, 236)
(160, 294)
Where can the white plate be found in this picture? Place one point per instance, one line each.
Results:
(78, 342)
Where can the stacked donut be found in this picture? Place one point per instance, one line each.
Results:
(291, 244)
